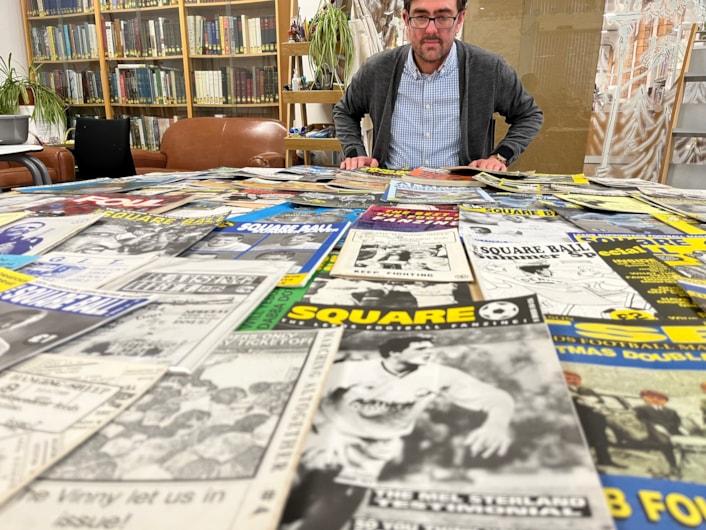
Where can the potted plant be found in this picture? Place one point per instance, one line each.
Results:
(330, 45)
(22, 87)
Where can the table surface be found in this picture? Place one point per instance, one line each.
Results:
(18, 149)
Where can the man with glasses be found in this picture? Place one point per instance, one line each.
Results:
(432, 101)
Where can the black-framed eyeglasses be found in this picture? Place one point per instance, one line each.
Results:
(440, 22)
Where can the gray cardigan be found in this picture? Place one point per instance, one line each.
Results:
(487, 84)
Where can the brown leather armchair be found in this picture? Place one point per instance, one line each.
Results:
(195, 144)
(59, 162)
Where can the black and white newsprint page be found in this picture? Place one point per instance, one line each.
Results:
(198, 302)
(52, 403)
(436, 256)
(451, 417)
(213, 450)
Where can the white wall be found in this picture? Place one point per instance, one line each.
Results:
(12, 35)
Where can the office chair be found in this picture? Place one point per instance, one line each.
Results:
(102, 148)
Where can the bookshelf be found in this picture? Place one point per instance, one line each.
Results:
(156, 61)
(292, 53)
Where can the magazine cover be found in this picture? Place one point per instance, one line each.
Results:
(216, 449)
(91, 202)
(613, 204)
(640, 393)
(568, 278)
(399, 218)
(15, 202)
(104, 185)
(36, 235)
(197, 303)
(403, 191)
(329, 290)
(122, 232)
(35, 316)
(690, 207)
(445, 417)
(438, 177)
(82, 270)
(52, 403)
(304, 243)
(436, 256)
(695, 289)
(686, 254)
(615, 222)
(268, 314)
(652, 278)
(342, 199)
(512, 225)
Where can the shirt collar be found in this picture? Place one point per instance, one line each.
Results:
(449, 66)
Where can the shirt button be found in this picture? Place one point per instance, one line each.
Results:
(427, 135)
(427, 106)
(426, 162)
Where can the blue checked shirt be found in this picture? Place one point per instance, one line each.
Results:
(426, 128)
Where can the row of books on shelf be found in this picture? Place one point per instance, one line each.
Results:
(228, 35)
(236, 85)
(64, 41)
(74, 86)
(133, 4)
(140, 37)
(146, 132)
(58, 7)
(147, 84)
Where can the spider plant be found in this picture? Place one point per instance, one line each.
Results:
(22, 87)
(330, 44)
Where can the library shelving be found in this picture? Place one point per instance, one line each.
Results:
(156, 61)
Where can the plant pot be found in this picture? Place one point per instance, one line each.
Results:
(14, 129)
(325, 80)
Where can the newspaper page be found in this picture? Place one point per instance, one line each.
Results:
(512, 225)
(436, 256)
(216, 449)
(198, 302)
(122, 232)
(36, 235)
(35, 315)
(82, 270)
(52, 403)
(640, 393)
(446, 417)
(568, 278)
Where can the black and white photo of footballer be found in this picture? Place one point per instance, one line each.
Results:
(443, 411)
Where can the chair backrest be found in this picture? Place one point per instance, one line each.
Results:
(208, 142)
(102, 148)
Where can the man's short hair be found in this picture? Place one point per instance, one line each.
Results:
(401, 343)
(654, 393)
(460, 5)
